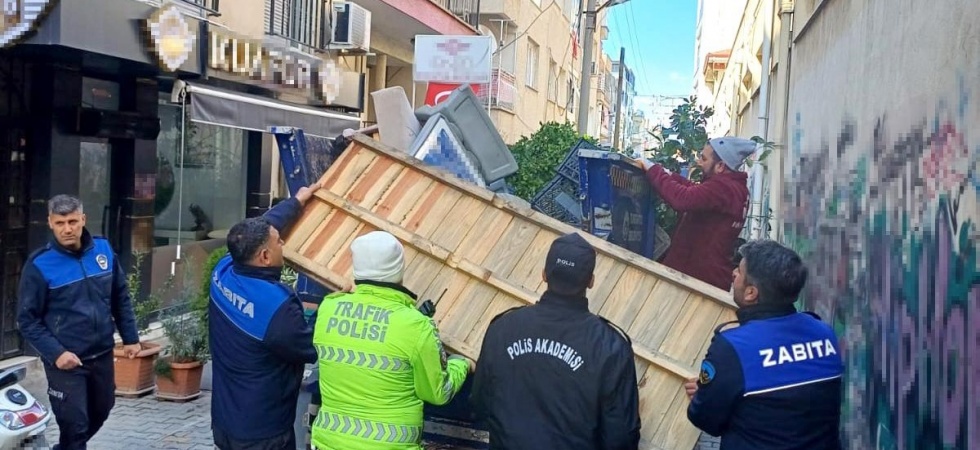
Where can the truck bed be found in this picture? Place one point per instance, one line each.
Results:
(477, 254)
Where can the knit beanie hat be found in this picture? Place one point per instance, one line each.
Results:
(732, 150)
(378, 256)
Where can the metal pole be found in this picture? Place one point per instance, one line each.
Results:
(619, 101)
(180, 186)
(586, 82)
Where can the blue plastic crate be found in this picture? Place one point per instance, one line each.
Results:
(569, 167)
(618, 203)
(559, 200)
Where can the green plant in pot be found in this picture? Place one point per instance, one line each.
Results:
(135, 377)
(179, 370)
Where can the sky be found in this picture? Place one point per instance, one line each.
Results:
(659, 40)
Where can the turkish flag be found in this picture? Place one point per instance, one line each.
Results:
(438, 92)
(574, 44)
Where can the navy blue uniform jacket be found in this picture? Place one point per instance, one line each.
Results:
(259, 344)
(74, 301)
(774, 382)
(555, 376)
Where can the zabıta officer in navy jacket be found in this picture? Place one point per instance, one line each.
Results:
(773, 382)
(259, 338)
(73, 296)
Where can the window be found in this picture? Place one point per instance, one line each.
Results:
(553, 81)
(531, 76)
(507, 59)
(214, 178)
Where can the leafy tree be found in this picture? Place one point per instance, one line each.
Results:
(539, 155)
(684, 138)
(680, 143)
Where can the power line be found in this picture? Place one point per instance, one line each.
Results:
(623, 42)
(631, 17)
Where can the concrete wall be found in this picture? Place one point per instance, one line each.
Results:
(245, 17)
(881, 197)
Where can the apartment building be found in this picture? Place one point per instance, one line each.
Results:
(660, 108)
(717, 23)
(641, 139)
(537, 63)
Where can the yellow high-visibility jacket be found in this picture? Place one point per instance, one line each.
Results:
(379, 359)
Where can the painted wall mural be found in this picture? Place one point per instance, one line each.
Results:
(886, 216)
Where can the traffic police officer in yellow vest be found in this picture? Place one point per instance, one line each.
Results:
(379, 357)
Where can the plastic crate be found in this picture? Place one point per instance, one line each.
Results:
(559, 200)
(569, 166)
(618, 203)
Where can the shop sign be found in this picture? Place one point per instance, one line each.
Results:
(453, 59)
(21, 17)
(280, 67)
(171, 37)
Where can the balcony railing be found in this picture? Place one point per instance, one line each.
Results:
(303, 22)
(209, 6)
(467, 10)
(503, 90)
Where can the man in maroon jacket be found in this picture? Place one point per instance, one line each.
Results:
(712, 212)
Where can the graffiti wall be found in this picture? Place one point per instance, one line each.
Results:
(881, 198)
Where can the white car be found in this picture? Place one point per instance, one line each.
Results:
(22, 417)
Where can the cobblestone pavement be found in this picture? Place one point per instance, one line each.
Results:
(708, 442)
(148, 423)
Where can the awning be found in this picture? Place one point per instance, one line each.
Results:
(226, 108)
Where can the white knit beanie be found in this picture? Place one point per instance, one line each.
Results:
(378, 256)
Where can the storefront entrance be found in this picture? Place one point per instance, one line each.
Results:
(15, 195)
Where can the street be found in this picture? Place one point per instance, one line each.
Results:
(150, 423)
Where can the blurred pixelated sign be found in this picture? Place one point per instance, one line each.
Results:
(21, 17)
(453, 59)
(274, 66)
(438, 92)
(171, 37)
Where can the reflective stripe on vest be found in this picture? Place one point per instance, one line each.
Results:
(362, 359)
(368, 429)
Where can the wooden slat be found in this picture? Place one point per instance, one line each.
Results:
(369, 145)
(478, 254)
(464, 265)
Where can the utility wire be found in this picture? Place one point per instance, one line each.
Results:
(526, 30)
(641, 63)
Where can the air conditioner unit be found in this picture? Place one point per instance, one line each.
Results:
(352, 28)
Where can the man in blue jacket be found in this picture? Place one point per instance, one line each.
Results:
(73, 296)
(774, 382)
(259, 337)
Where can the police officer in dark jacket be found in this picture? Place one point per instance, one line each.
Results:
(774, 382)
(555, 376)
(73, 295)
(259, 337)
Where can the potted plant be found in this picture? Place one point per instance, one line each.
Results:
(135, 377)
(179, 369)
